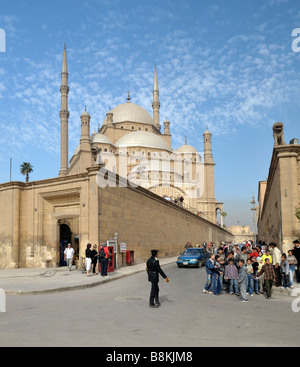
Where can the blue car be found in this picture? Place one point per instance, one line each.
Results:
(193, 257)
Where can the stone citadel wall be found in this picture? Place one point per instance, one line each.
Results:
(145, 221)
(31, 215)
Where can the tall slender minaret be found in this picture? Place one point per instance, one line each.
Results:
(64, 117)
(156, 104)
(209, 167)
(208, 196)
(85, 139)
(208, 157)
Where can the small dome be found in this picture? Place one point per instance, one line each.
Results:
(100, 138)
(85, 113)
(130, 112)
(207, 132)
(186, 149)
(143, 139)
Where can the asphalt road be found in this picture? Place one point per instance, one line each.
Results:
(116, 314)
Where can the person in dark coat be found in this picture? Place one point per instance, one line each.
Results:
(296, 253)
(94, 259)
(153, 269)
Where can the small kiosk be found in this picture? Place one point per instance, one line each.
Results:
(113, 258)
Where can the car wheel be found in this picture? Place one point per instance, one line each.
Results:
(200, 264)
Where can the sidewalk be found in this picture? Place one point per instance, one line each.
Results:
(51, 280)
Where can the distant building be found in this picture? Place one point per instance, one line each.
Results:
(280, 194)
(241, 234)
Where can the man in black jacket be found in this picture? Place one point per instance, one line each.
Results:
(153, 269)
(296, 253)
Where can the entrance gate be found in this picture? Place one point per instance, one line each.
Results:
(64, 239)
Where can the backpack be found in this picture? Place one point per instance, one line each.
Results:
(101, 253)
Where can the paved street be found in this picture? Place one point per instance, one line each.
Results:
(117, 314)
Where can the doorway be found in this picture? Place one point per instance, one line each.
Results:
(65, 237)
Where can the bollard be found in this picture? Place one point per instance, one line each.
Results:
(2, 300)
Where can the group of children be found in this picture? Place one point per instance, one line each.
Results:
(246, 270)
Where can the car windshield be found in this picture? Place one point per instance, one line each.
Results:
(190, 252)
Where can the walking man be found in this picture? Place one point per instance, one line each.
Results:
(68, 254)
(153, 269)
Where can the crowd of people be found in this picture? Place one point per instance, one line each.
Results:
(250, 268)
(92, 256)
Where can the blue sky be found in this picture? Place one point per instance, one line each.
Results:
(227, 64)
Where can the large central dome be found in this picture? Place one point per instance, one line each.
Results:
(132, 113)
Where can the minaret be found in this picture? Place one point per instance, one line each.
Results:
(208, 158)
(156, 104)
(85, 142)
(209, 177)
(167, 134)
(85, 139)
(167, 126)
(64, 117)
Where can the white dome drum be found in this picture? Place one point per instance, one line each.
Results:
(143, 139)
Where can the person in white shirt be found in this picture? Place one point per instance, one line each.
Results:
(276, 257)
(69, 252)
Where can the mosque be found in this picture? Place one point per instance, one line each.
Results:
(130, 143)
(124, 182)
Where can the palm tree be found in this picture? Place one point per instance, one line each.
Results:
(25, 169)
